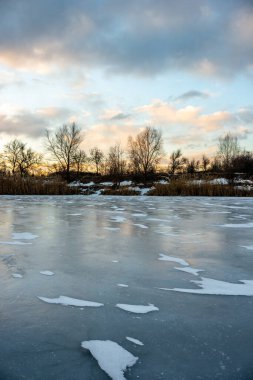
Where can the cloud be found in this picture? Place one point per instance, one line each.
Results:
(193, 94)
(23, 123)
(208, 37)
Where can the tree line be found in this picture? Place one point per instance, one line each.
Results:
(143, 156)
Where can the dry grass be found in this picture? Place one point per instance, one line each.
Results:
(185, 188)
(34, 186)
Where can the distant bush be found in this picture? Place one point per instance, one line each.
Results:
(187, 188)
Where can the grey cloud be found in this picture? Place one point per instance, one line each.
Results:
(193, 94)
(120, 116)
(144, 37)
(24, 123)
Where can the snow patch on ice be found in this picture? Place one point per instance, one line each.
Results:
(135, 341)
(112, 228)
(138, 309)
(17, 275)
(115, 261)
(241, 225)
(47, 272)
(211, 286)
(190, 270)
(122, 285)
(23, 236)
(249, 247)
(140, 225)
(67, 301)
(111, 357)
(173, 259)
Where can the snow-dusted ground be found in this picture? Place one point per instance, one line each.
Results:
(179, 270)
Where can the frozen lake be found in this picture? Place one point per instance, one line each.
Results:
(120, 269)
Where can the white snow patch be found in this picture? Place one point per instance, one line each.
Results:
(23, 236)
(17, 275)
(140, 225)
(111, 357)
(190, 270)
(126, 183)
(47, 272)
(112, 228)
(173, 259)
(211, 286)
(106, 183)
(115, 261)
(249, 247)
(241, 225)
(135, 341)
(122, 285)
(138, 309)
(219, 181)
(77, 214)
(67, 301)
(145, 190)
(139, 215)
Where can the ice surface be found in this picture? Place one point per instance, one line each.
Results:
(67, 301)
(173, 259)
(23, 236)
(249, 247)
(135, 341)
(241, 225)
(47, 272)
(17, 275)
(211, 286)
(111, 357)
(140, 225)
(190, 270)
(138, 309)
(122, 285)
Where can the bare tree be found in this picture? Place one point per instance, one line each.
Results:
(192, 166)
(205, 162)
(79, 159)
(63, 146)
(96, 157)
(177, 161)
(145, 151)
(228, 149)
(116, 163)
(19, 158)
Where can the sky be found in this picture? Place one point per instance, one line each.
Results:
(115, 67)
